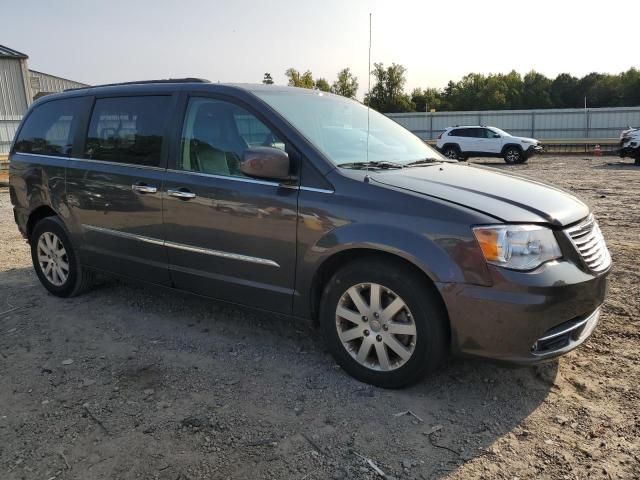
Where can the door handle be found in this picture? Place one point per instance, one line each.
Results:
(182, 194)
(143, 188)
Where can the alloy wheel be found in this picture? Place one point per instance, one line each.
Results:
(53, 259)
(513, 156)
(376, 327)
(451, 154)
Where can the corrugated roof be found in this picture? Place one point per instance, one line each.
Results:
(9, 52)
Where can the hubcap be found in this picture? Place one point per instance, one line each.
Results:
(451, 154)
(393, 340)
(512, 155)
(53, 259)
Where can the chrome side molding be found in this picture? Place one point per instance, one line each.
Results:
(182, 246)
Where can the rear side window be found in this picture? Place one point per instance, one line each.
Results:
(464, 132)
(49, 128)
(128, 130)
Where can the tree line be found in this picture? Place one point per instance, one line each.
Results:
(477, 91)
(346, 84)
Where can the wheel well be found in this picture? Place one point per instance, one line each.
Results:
(509, 145)
(340, 259)
(37, 215)
(454, 145)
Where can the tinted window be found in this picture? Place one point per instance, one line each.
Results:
(464, 132)
(49, 128)
(127, 130)
(216, 134)
(455, 133)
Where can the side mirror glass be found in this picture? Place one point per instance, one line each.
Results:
(496, 135)
(266, 162)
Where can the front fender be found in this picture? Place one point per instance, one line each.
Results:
(429, 256)
(451, 258)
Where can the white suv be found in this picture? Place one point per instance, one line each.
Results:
(461, 142)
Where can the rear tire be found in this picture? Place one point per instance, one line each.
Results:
(452, 152)
(397, 318)
(513, 155)
(55, 260)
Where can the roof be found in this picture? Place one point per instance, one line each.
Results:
(470, 126)
(6, 52)
(176, 85)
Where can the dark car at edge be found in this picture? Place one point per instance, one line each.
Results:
(306, 204)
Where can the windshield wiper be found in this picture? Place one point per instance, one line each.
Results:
(364, 165)
(424, 161)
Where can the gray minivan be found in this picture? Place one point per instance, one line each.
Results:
(306, 204)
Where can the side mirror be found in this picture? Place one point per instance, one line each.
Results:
(266, 162)
(496, 135)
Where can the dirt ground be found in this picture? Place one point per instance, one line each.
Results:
(132, 382)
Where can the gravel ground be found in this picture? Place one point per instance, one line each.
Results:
(129, 381)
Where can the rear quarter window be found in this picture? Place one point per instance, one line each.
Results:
(49, 128)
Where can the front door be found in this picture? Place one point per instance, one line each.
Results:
(114, 191)
(489, 141)
(228, 236)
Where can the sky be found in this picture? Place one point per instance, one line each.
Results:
(238, 41)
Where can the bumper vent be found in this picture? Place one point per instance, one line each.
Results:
(588, 240)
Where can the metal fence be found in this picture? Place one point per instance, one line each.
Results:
(555, 124)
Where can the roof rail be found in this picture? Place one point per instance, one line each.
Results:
(145, 82)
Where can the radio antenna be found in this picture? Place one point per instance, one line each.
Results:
(366, 178)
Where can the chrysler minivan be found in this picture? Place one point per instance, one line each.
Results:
(306, 204)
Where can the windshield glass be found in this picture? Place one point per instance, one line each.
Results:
(338, 127)
(501, 132)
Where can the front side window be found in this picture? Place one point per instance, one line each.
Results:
(216, 134)
(490, 133)
(338, 127)
(49, 129)
(128, 130)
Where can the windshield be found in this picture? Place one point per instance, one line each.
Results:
(338, 127)
(501, 132)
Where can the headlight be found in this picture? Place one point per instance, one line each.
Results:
(526, 141)
(520, 247)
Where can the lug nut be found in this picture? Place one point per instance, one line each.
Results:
(379, 338)
(385, 327)
(366, 333)
(376, 314)
(364, 318)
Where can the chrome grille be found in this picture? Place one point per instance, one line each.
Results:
(588, 240)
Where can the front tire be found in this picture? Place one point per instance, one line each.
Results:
(55, 260)
(383, 323)
(513, 155)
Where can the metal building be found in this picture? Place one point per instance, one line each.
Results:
(19, 86)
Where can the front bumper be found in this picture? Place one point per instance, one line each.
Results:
(526, 317)
(532, 150)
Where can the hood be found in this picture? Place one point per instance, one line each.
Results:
(505, 196)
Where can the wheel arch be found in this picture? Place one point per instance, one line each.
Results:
(509, 145)
(333, 263)
(37, 214)
(451, 144)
